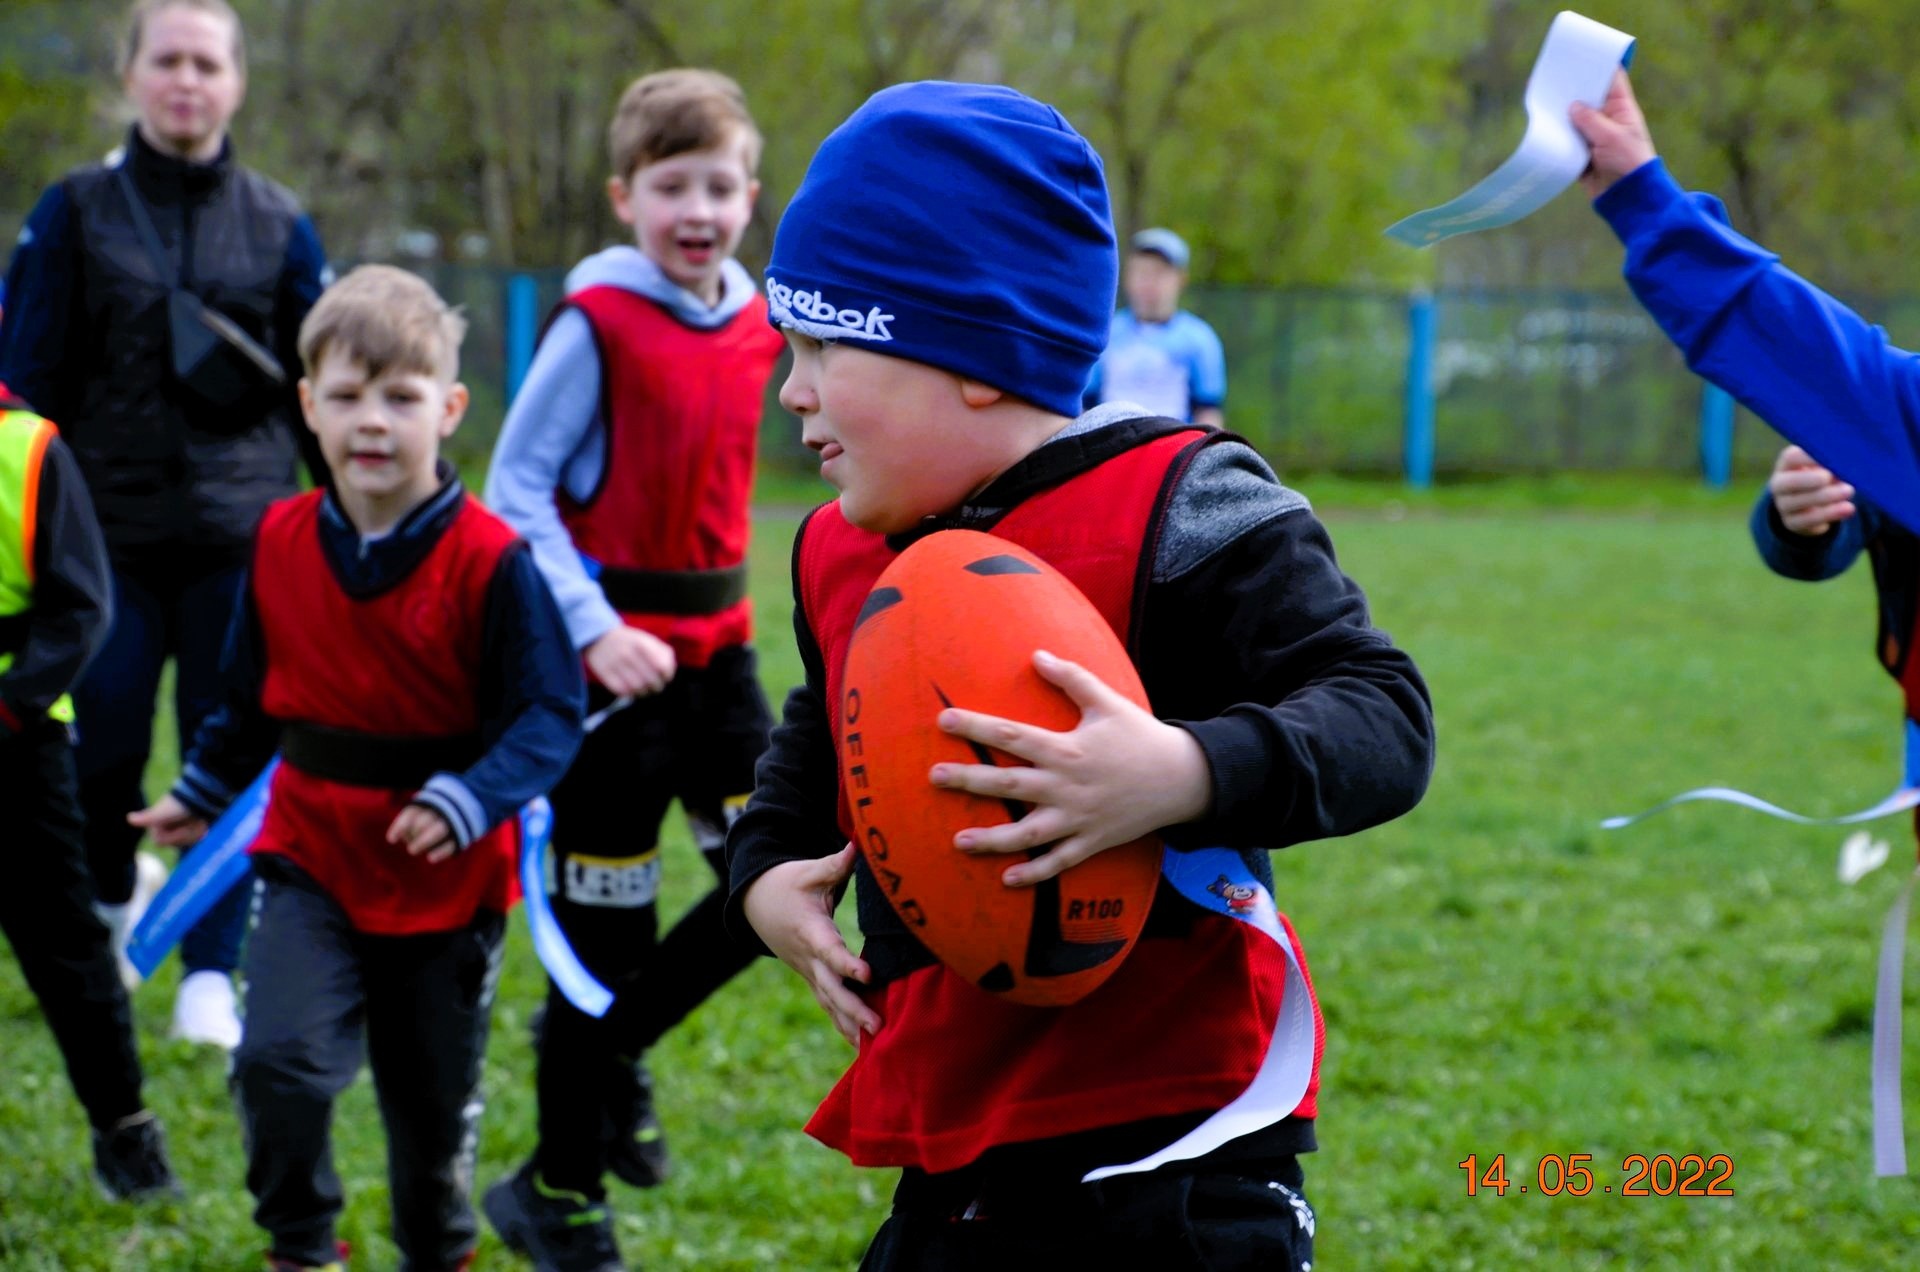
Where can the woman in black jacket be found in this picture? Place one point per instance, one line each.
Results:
(153, 305)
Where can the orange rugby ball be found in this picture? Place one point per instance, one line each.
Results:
(955, 620)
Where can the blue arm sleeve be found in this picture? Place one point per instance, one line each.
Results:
(548, 428)
(1793, 355)
(36, 344)
(1209, 384)
(538, 695)
(1809, 558)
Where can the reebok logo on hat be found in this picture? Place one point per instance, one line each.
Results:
(813, 314)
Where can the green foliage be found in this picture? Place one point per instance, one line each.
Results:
(1279, 139)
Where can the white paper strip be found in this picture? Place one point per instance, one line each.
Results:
(1576, 64)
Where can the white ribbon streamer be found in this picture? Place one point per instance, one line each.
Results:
(1899, 802)
(1889, 1121)
(1217, 879)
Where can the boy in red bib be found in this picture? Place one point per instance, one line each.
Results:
(943, 277)
(627, 461)
(398, 647)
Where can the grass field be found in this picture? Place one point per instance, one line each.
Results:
(1498, 975)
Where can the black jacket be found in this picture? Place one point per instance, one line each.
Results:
(85, 340)
(1313, 723)
(72, 595)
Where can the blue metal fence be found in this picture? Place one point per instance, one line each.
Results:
(1426, 386)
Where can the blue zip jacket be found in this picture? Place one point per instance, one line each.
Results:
(1793, 355)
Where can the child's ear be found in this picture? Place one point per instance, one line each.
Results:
(977, 395)
(306, 402)
(454, 409)
(620, 198)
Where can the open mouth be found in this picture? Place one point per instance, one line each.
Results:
(696, 247)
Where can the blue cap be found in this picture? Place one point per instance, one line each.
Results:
(1162, 243)
(965, 226)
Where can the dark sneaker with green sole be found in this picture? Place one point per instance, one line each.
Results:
(636, 1146)
(560, 1231)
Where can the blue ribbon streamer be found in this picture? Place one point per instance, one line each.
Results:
(216, 865)
(219, 862)
(549, 942)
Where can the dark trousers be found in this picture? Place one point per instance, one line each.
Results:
(46, 912)
(1209, 1221)
(157, 613)
(695, 741)
(320, 993)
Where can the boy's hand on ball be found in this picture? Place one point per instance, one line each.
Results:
(1118, 775)
(1808, 498)
(791, 907)
(422, 830)
(169, 822)
(631, 663)
(1618, 134)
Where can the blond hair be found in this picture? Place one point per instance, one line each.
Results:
(136, 28)
(674, 112)
(385, 319)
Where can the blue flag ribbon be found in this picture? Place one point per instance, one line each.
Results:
(219, 862)
(1219, 880)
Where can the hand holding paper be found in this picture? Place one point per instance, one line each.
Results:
(1577, 63)
(1617, 133)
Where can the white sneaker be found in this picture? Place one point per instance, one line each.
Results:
(203, 1010)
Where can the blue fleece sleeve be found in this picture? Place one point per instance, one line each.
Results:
(36, 347)
(1793, 355)
(536, 695)
(1809, 558)
(1209, 383)
(548, 430)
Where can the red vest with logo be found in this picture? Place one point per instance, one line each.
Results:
(683, 420)
(1182, 1027)
(405, 663)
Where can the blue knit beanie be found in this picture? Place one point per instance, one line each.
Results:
(960, 225)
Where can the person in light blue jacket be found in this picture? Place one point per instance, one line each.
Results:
(1158, 355)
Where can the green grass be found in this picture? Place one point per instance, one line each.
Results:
(1498, 975)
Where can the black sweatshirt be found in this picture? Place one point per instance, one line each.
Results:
(1312, 722)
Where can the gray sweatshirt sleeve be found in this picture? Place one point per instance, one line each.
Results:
(548, 433)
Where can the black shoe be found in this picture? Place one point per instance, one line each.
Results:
(636, 1146)
(130, 1161)
(560, 1231)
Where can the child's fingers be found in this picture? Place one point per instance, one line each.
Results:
(850, 1015)
(1040, 827)
(1022, 741)
(1066, 855)
(1794, 481)
(1087, 690)
(1019, 782)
